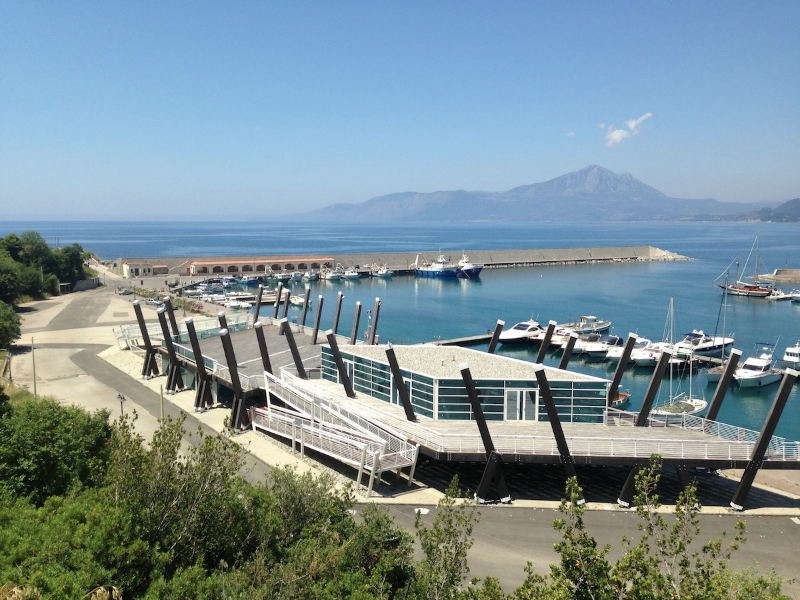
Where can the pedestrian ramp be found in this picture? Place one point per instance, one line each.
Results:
(311, 419)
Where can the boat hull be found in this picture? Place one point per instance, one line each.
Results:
(437, 273)
(757, 382)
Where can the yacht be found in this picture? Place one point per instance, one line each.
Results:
(521, 333)
(700, 344)
(758, 370)
(614, 353)
(587, 324)
(792, 356)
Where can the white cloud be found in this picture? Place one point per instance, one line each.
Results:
(615, 136)
(570, 134)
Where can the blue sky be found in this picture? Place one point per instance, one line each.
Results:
(112, 110)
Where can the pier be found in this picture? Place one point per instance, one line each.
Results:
(401, 263)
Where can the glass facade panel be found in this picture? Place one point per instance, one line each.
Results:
(576, 401)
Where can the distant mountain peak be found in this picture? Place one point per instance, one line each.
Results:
(591, 193)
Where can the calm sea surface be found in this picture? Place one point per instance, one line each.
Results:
(634, 296)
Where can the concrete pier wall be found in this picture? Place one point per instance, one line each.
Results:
(492, 259)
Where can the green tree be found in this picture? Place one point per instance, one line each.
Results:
(445, 545)
(9, 278)
(35, 251)
(9, 326)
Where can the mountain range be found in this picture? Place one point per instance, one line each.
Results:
(589, 194)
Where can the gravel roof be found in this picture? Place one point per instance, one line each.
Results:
(443, 362)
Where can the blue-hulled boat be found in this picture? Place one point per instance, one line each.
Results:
(467, 269)
(440, 268)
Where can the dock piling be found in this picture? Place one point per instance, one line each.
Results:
(337, 312)
(613, 389)
(548, 335)
(498, 328)
(317, 319)
(373, 330)
(354, 333)
(567, 354)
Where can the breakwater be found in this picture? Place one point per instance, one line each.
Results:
(492, 259)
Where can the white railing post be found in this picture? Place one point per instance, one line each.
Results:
(294, 434)
(361, 465)
(302, 442)
(376, 462)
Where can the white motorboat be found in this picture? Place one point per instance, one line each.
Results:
(238, 305)
(614, 353)
(792, 356)
(758, 370)
(649, 355)
(311, 275)
(795, 295)
(700, 344)
(587, 324)
(521, 333)
(298, 300)
(599, 349)
(581, 343)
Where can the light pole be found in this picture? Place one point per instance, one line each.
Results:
(121, 399)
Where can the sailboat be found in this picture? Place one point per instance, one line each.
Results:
(714, 374)
(681, 403)
(756, 289)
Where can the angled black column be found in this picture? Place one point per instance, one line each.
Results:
(337, 312)
(337, 356)
(400, 384)
(373, 330)
(354, 333)
(548, 335)
(626, 494)
(171, 315)
(493, 473)
(495, 336)
(764, 439)
(306, 302)
(262, 347)
(567, 354)
(317, 320)
(238, 414)
(223, 321)
(149, 368)
(286, 329)
(652, 388)
(613, 389)
(287, 293)
(555, 423)
(722, 386)
(202, 394)
(257, 308)
(278, 295)
(174, 379)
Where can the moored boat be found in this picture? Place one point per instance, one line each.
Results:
(700, 344)
(466, 268)
(440, 268)
(792, 356)
(758, 370)
(756, 289)
(383, 272)
(587, 324)
(521, 333)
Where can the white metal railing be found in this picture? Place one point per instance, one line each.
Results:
(398, 442)
(695, 423)
(205, 327)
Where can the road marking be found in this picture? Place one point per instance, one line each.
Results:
(421, 511)
(796, 520)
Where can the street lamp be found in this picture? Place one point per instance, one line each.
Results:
(121, 399)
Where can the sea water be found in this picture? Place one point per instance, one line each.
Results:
(634, 296)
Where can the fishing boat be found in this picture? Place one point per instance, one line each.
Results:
(756, 289)
(466, 268)
(332, 274)
(521, 333)
(383, 272)
(439, 269)
(249, 280)
(351, 273)
(311, 275)
(758, 370)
